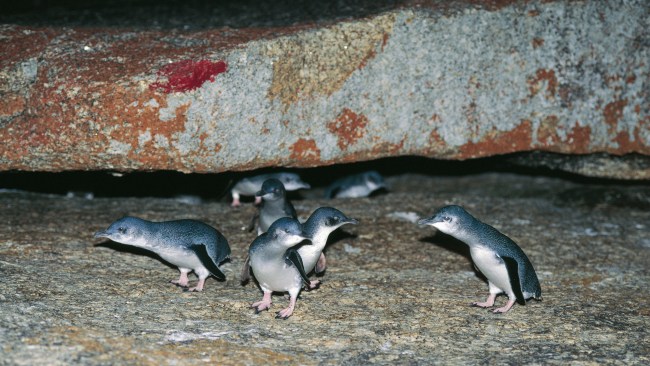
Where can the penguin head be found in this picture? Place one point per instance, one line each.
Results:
(272, 189)
(127, 230)
(449, 219)
(292, 181)
(328, 218)
(287, 231)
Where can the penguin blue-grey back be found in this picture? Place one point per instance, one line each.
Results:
(190, 245)
(356, 185)
(250, 185)
(276, 265)
(498, 257)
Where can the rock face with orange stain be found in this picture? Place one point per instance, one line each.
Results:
(412, 78)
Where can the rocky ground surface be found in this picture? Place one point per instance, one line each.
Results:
(393, 293)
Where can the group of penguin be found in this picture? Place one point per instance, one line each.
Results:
(286, 250)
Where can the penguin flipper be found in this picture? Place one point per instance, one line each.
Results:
(245, 275)
(513, 274)
(294, 258)
(321, 265)
(209, 262)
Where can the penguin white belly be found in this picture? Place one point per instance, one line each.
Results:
(353, 192)
(311, 252)
(276, 275)
(181, 258)
(309, 255)
(492, 267)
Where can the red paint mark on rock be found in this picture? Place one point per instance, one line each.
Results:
(187, 75)
(496, 142)
(349, 127)
(305, 151)
(535, 84)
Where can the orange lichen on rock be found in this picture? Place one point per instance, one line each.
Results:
(536, 83)
(612, 113)
(496, 142)
(579, 139)
(348, 127)
(305, 151)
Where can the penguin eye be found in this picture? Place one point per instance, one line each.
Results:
(332, 221)
(122, 230)
(447, 218)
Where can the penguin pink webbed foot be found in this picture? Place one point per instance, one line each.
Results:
(182, 281)
(199, 286)
(504, 309)
(313, 284)
(265, 304)
(286, 312)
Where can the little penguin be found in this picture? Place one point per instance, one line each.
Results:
(251, 185)
(190, 245)
(318, 227)
(356, 185)
(276, 264)
(274, 204)
(501, 260)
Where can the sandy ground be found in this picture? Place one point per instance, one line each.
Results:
(393, 293)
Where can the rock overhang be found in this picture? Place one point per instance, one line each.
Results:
(457, 82)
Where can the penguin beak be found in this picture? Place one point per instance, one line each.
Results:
(259, 194)
(101, 234)
(429, 221)
(305, 186)
(352, 221)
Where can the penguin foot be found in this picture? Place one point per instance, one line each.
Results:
(235, 203)
(481, 305)
(488, 303)
(193, 289)
(504, 309)
(313, 285)
(261, 306)
(179, 284)
(284, 313)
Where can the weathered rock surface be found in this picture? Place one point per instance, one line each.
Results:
(413, 78)
(393, 293)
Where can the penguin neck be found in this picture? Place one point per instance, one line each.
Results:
(272, 249)
(275, 204)
(318, 236)
(472, 233)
